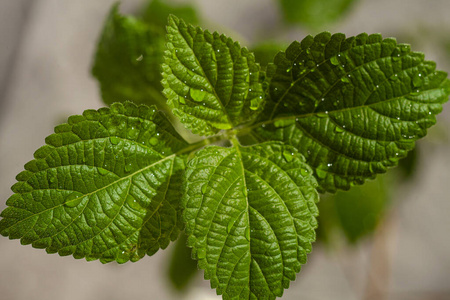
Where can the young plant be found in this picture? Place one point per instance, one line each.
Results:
(328, 113)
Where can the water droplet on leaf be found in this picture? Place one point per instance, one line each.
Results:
(114, 140)
(417, 80)
(345, 79)
(247, 233)
(198, 95)
(132, 133)
(338, 129)
(128, 167)
(133, 203)
(153, 141)
(334, 60)
(204, 188)
(102, 171)
(288, 155)
(122, 257)
(73, 200)
(393, 77)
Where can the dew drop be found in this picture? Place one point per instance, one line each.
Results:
(122, 257)
(334, 60)
(247, 233)
(102, 171)
(288, 156)
(128, 167)
(417, 80)
(133, 203)
(197, 95)
(345, 79)
(114, 140)
(153, 141)
(338, 129)
(140, 58)
(329, 165)
(73, 199)
(132, 133)
(304, 172)
(393, 77)
(204, 188)
(254, 104)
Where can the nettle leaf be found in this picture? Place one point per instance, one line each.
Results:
(106, 186)
(250, 217)
(352, 106)
(128, 59)
(210, 81)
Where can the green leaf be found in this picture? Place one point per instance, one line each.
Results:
(314, 13)
(106, 186)
(182, 268)
(352, 106)
(128, 59)
(250, 217)
(210, 81)
(158, 11)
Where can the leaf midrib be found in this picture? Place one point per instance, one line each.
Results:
(93, 192)
(337, 81)
(203, 73)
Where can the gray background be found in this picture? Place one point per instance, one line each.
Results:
(46, 49)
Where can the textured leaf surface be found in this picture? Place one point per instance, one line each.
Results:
(250, 217)
(351, 106)
(106, 186)
(128, 59)
(210, 81)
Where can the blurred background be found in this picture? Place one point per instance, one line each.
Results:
(386, 240)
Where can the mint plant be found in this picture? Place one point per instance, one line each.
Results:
(330, 112)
